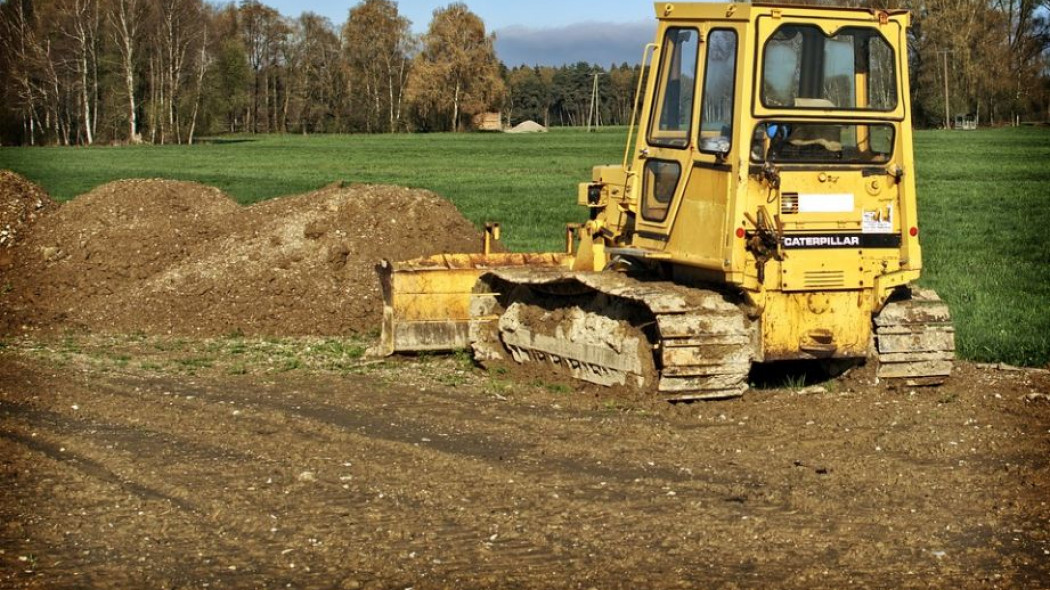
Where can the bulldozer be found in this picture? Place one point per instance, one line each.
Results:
(764, 211)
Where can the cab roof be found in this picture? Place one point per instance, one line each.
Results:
(742, 11)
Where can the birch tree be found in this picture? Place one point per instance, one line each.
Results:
(262, 30)
(20, 50)
(80, 24)
(378, 45)
(125, 19)
(456, 74)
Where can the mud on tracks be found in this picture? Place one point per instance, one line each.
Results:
(167, 257)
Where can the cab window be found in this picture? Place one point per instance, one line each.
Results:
(673, 108)
(658, 187)
(797, 142)
(854, 69)
(716, 119)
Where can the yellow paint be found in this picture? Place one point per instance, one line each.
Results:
(720, 195)
(429, 299)
(829, 324)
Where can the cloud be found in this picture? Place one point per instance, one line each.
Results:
(597, 43)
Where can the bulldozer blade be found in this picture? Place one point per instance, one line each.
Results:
(427, 302)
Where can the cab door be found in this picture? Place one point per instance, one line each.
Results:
(665, 152)
(684, 164)
(701, 234)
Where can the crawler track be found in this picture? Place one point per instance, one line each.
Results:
(610, 329)
(915, 339)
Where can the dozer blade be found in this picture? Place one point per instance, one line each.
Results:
(427, 301)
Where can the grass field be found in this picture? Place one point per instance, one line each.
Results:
(984, 198)
(526, 181)
(984, 201)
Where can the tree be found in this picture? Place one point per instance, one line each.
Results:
(457, 74)
(991, 51)
(181, 31)
(623, 85)
(572, 95)
(321, 75)
(262, 31)
(230, 81)
(18, 52)
(523, 95)
(205, 58)
(125, 19)
(378, 48)
(89, 71)
(80, 24)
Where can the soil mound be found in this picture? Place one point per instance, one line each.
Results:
(528, 127)
(130, 229)
(164, 257)
(22, 203)
(303, 265)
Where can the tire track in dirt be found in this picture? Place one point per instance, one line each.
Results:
(367, 492)
(131, 438)
(147, 537)
(93, 469)
(321, 493)
(525, 554)
(141, 473)
(502, 446)
(416, 443)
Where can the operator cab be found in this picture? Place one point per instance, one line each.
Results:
(764, 123)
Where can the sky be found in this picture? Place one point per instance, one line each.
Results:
(531, 32)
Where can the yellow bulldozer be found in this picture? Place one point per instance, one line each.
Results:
(765, 210)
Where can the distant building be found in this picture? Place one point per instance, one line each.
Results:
(488, 122)
(967, 122)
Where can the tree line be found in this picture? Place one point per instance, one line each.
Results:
(986, 58)
(168, 71)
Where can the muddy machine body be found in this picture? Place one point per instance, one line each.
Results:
(765, 210)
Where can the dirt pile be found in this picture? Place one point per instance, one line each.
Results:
(164, 257)
(528, 127)
(22, 203)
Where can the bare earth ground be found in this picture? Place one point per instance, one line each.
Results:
(174, 464)
(154, 433)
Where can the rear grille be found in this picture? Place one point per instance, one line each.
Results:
(824, 279)
(788, 203)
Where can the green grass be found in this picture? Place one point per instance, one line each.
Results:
(984, 212)
(527, 181)
(984, 200)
